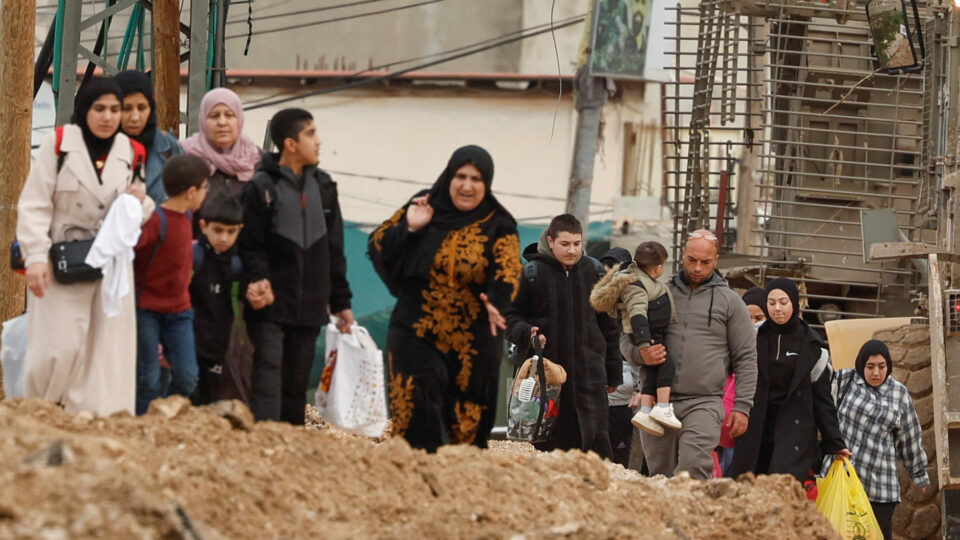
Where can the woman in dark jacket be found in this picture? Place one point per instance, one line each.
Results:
(793, 401)
(451, 256)
(139, 121)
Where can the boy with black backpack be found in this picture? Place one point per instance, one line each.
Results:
(216, 267)
(292, 248)
(162, 267)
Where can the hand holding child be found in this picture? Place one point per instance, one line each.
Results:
(654, 355)
(260, 294)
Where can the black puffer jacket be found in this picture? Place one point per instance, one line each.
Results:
(583, 341)
(211, 289)
(293, 236)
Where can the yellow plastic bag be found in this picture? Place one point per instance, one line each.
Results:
(843, 501)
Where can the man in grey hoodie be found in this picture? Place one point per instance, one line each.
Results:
(713, 337)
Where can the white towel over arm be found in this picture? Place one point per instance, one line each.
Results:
(112, 250)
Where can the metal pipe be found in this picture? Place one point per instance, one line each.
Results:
(846, 298)
(811, 264)
(841, 177)
(846, 162)
(58, 46)
(833, 221)
(809, 234)
(841, 117)
(842, 87)
(842, 132)
(827, 145)
(831, 206)
(848, 102)
(809, 250)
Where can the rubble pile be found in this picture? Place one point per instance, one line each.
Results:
(210, 473)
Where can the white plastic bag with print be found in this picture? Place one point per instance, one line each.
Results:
(351, 394)
(13, 352)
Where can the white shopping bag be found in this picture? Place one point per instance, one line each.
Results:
(351, 394)
(13, 351)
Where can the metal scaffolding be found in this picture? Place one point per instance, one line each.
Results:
(79, 23)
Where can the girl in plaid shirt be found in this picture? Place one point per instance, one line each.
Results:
(880, 424)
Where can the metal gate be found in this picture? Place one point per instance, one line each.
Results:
(831, 137)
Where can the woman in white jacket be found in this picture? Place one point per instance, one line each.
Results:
(77, 357)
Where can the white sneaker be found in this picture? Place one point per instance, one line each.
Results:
(643, 422)
(665, 416)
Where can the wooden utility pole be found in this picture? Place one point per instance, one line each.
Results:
(166, 81)
(17, 23)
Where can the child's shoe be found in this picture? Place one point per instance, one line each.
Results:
(665, 416)
(644, 422)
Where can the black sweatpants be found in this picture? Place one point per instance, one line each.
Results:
(282, 359)
(659, 376)
(884, 514)
(210, 375)
(621, 433)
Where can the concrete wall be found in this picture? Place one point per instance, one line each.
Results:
(408, 33)
(411, 134)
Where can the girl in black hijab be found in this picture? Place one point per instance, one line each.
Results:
(98, 144)
(878, 419)
(792, 403)
(451, 256)
(139, 122)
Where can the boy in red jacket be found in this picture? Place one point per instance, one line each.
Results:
(162, 267)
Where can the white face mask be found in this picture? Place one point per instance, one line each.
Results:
(756, 326)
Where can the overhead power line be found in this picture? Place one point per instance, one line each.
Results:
(306, 11)
(398, 73)
(442, 53)
(335, 19)
(527, 196)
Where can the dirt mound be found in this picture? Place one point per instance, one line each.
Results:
(185, 472)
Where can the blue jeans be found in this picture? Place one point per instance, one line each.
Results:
(175, 332)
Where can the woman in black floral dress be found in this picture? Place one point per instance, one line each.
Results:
(451, 256)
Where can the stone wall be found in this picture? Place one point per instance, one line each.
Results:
(918, 516)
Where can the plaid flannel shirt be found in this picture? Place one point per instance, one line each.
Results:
(880, 425)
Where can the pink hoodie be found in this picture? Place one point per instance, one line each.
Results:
(729, 396)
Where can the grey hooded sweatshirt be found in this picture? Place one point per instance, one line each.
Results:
(713, 337)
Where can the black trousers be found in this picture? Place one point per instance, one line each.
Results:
(209, 379)
(282, 359)
(660, 376)
(884, 514)
(215, 382)
(621, 433)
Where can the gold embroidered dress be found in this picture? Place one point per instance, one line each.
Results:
(442, 358)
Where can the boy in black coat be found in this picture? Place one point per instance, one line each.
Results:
(291, 246)
(216, 266)
(554, 302)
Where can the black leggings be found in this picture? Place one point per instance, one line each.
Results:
(658, 376)
(884, 514)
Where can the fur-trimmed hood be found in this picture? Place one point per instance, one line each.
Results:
(607, 292)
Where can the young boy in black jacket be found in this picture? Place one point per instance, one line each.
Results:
(291, 246)
(216, 267)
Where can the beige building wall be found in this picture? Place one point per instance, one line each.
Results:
(410, 137)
